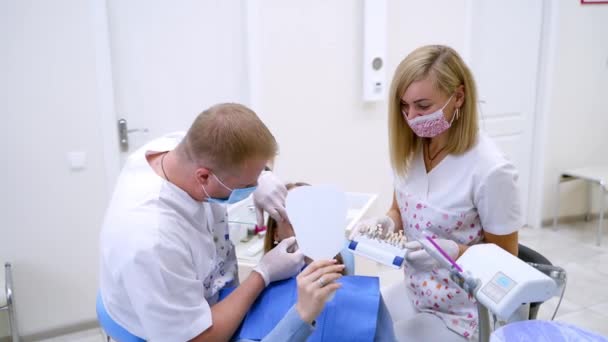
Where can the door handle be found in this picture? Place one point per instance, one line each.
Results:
(123, 134)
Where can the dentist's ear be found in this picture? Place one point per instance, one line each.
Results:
(202, 175)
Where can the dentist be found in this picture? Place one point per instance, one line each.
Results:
(164, 248)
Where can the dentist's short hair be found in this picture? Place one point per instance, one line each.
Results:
(227, 135)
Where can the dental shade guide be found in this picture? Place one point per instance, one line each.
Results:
(373, 242)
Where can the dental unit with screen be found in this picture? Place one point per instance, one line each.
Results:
(499, 281)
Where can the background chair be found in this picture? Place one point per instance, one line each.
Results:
(7, 301)
(593, 176)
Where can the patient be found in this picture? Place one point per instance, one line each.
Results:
(275, 319)
(302, 309)
(277, 231)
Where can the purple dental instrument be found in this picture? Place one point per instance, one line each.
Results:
(445, 255)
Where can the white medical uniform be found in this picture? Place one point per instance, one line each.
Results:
(460, 199)
(164, 255)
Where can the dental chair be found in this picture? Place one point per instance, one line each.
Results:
(527, 254)
(7, 301)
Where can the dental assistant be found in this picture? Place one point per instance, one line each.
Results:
(165, 251)
(451, 182)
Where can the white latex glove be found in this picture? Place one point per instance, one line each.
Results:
(270, 197)
(420, 259)
(279, 264)
(385, 222)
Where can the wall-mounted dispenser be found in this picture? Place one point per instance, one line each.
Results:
(374, 50)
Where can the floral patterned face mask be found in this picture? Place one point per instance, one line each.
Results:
(431, 125)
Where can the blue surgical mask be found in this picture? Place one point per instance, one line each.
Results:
(236, 195)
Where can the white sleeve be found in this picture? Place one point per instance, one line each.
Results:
(498, 202)
(166, 295)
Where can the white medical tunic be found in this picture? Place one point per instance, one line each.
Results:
(164, 255)
(460, 199)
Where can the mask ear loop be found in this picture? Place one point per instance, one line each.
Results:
(219, 180)
(205, 191)
(455, 116)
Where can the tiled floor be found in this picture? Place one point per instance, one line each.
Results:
(571, 246)
(93, 335)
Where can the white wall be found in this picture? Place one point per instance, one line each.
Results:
(50, 215)
(577, 123)
(309, 85)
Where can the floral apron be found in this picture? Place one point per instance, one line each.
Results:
(432, 290)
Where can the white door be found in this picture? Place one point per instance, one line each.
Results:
(504, 57)
(171, 60)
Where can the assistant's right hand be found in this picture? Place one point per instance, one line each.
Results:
(315, 284)
(384, 222)
(279, 264)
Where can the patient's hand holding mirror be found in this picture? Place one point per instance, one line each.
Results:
(318, 216)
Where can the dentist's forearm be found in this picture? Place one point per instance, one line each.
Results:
(228, 314)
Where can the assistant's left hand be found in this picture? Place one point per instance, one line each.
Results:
(270, 197)
(420, 259)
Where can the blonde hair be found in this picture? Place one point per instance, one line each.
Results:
(447, 71)
(226, 135)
